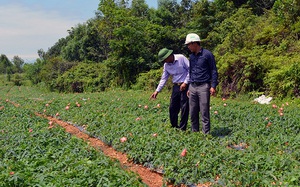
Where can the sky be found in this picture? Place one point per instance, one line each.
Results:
(29, 25)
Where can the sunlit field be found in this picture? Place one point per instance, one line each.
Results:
(250, 144)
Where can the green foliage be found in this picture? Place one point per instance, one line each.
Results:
(84, 78)
(203, 18)
(32, 71)
(18, 62)
(55, 50)
(53, 69)
(158, 37)
(285, 81)
(150, 80)
(84, 43)
(3, 80)
(34, 153)
(253, 41)
(250, 144)
(134, 43)
(72, 51)
(166, 13)
(296, 29)
(253, 54)
(17, 79)
(139, 8)
(127, 54)
(287, 11)
(5, 65)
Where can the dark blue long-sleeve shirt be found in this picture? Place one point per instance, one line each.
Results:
(203, 68)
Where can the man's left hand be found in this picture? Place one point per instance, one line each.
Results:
(212, 91)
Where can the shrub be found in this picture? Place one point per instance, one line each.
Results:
(17, 79)
(150, 80)
(284, 82)
(84, 78)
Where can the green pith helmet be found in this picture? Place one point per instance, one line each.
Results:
(163, 54)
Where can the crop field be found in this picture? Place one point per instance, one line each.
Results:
(250, 144)
(34, 154)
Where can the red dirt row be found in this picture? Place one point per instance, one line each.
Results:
(152, 179)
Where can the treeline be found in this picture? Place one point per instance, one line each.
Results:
(12, 70)
(256, 45)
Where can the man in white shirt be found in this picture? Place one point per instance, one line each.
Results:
(176, 65)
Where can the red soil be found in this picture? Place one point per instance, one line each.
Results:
(152, 179)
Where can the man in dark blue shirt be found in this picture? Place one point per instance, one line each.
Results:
(203, 82)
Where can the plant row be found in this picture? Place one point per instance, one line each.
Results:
(250, 144)
(35, 153)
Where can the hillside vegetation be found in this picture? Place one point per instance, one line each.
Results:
(256, 45)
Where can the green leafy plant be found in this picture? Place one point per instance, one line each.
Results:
(250, 144)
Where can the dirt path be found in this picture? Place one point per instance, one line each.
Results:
(152, 179)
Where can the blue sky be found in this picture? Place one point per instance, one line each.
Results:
(29, 25)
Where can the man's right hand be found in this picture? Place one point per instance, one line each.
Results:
(183, 86)
(153, 96)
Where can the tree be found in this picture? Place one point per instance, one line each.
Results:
(53, 69)
(55, 50)
(126, 35)
(18, 62)
(202, 18)
(73, 49)
(166, 3)
(32, 71)
(184, 12)
(139, 8)
(166, 12)
(287, 11)
(42, 54)
(5, 64)
(260, 6)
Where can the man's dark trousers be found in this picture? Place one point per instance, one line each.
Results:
(179, 102)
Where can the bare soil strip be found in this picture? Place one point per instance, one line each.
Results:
(151, 178)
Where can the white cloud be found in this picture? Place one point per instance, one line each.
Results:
(23, 30)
